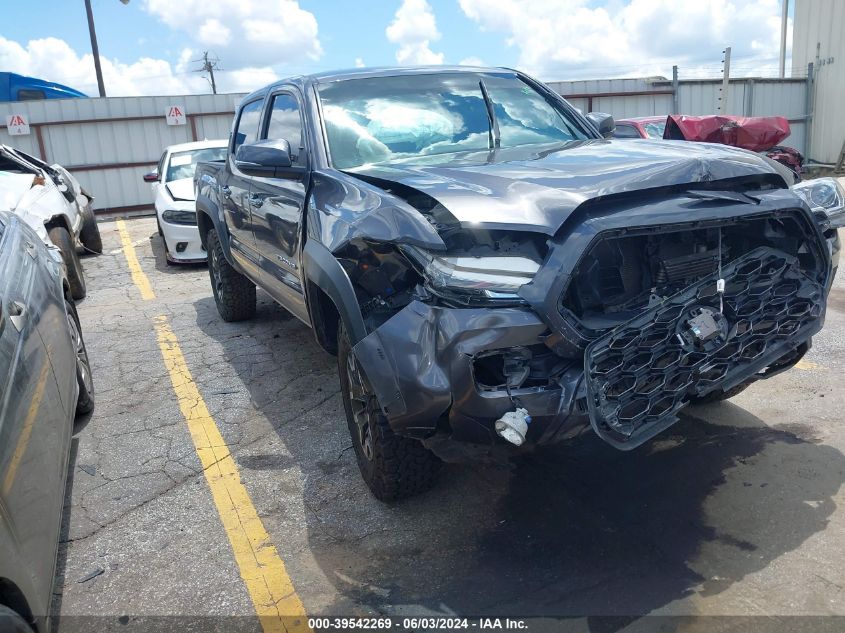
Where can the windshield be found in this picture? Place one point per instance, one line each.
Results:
(184, 164)
(388, 119)
(655, 130)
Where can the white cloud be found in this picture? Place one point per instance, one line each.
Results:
(53, 59)
(213, 33)
(471, 61)
(558, 39)
(414, 27)
(245, 33)
(359, 62)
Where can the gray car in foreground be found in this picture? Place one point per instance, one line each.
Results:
(493, 273)
(45, 383)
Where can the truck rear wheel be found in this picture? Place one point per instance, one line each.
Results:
(61, 238)
(393, 467)
(234, 294)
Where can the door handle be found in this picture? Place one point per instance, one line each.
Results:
(17, 314)
(226, 191)
(256, 201)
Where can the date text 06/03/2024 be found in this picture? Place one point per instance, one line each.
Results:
(416, 624)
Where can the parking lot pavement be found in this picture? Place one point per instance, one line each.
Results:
(736, 510)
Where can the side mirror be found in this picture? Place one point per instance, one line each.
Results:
(604, 123)
(151, 177)
(264, 158)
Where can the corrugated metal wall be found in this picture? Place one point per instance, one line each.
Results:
(624, 98)
(109, 144)
(819, 26)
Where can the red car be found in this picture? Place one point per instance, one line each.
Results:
(640, 127)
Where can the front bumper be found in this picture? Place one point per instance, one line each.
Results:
(421, 362)
(182, 242)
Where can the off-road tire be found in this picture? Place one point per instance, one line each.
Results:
(718, 396)
(89, 234)
(75, 277)
(85, 400)
(11, 622)
(400, 467)
(234, 294)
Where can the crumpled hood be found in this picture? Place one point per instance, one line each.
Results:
(522, 189)
(182, 189)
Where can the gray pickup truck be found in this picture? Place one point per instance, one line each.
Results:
(492, 272)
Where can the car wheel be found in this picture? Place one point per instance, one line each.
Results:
(85, 401)
(12, 622)
(61, 238)
(393, 467)
(234, 294)
(89, 234)
(158, 224)
(718, 396)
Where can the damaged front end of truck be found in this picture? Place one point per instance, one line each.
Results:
(614, 316)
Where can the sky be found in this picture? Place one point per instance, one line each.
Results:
(150, 47)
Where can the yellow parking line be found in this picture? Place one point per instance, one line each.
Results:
(278, 606)
(138, 275)
(26, 430)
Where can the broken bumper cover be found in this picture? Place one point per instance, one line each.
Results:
(628, 382)
(420, 364)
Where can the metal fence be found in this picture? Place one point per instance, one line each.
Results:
(624, 98)
(109, 143)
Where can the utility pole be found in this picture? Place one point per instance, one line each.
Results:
(783, 17)
(208, 66)
(726, 79)
(95, 49)
(675, 86)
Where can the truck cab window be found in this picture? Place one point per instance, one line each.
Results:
(285, 123)
(31, 94)
(626, 131)
(247, 128)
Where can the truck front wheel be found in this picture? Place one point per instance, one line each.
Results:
(234, 294)
(393, 467)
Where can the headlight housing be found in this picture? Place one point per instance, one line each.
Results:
(468, 279)
(187, 217)
(824, 195)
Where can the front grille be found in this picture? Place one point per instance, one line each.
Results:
(640, 374)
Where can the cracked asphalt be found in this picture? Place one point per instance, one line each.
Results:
(736, 510)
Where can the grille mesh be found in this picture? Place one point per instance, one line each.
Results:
(640, 374)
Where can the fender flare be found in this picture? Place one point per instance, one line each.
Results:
(209, 208)
(324, 271)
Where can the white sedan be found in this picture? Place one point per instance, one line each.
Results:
(173, 189)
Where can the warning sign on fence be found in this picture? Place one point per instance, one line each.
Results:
(175, 115)
(17, 125)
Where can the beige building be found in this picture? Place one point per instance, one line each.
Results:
(819, 38)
